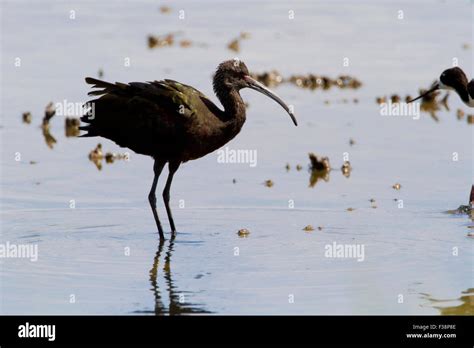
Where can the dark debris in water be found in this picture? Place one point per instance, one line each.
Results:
(168, 40)
(430, 103)
(346, 169)
(311, 81)
(96, 156)
(269, 183)
(165, 9)
(397, 186)
(319, 163)
(317, 176)
(270, 79)
(71, 127)
(234, 44)
(341, 101)
(48, 137)
(49, 112)
(319, 169)
(26, 117)
(243, 233)
(160, 41)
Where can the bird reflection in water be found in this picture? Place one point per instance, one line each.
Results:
(178, 300)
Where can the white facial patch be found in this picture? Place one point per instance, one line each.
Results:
(443, 86)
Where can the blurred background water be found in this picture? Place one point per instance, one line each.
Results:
(106, 253)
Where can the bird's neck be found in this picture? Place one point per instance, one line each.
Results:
(234, 107)
(463, 93)
(470, 92)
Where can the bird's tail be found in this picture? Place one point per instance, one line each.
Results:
(107, 87)
(98, 83)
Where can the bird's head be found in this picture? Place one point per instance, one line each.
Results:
(450, 79)
(234, 75)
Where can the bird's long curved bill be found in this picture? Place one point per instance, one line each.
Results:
(435, 87)
(251, 83)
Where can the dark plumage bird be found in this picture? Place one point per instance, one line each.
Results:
(170, 121)
(454, 79)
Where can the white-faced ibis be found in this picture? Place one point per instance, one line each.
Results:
(454, 79)
(170, 121)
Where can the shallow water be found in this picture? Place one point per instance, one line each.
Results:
(105, 253)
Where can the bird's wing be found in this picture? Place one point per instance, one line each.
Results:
(141, 115)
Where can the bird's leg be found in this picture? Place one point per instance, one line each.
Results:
(173, 167)
(157, 168)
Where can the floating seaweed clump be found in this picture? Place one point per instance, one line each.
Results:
(319, 163)
(346, 169)
(49, 112)
(319, 169)
(234, 44)
(243, 232)
(185, 43)
(429, 103)
(26, 117)
(160, 41)
(96, 156)
(168, 40)
(310, 228)
(268, 183)
(311, 81)
(165, 9)
(270, 79)
(72, 127)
